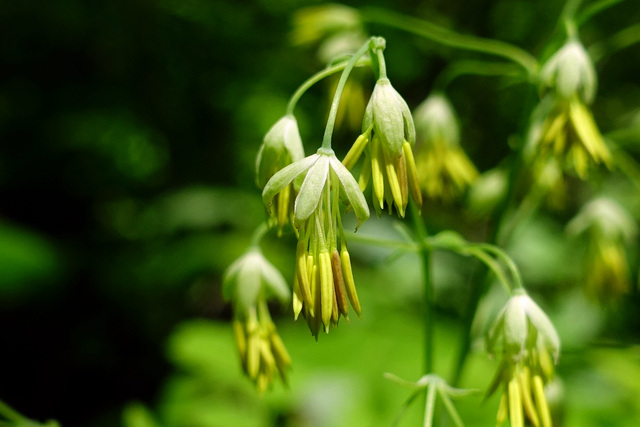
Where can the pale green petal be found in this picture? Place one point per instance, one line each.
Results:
(543, 325)
(311, 189)
(292, 139)
(515, 325)
(352, 190)
(248, 283)
(284, 177)
(275, 282)
(229, 278)
(387, 116)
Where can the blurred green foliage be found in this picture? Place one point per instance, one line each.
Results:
(129, 132)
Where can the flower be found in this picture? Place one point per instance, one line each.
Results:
(311, 24)
(281, 146)
(323, 280)
(562, 126)
(248, 283)
(262, 352)
(388, 134)
(526, 340)
(444, 170)
(608, 228)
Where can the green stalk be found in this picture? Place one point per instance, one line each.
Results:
(259, 233)
(451, 38)
(478, 68)
(425, 258)
(333, 112)
(315, 79)
(11, 414)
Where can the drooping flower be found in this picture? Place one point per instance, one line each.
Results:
(324, 281)
(248, 283)
(528, 345)
(387, 140)
(608, 228)
(562, 125)
(315, 23)
(281, 146)
(444, 170)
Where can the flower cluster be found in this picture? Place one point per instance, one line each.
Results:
(323, 280)
(444, 170)
(525, 339)
(562, 126)
(248, 283)
(387, 139)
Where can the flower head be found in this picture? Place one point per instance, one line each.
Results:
(444, 170)
(314, 23)
(248, 283)
(528, 344)
(387, 138)
(281, 146)
(323, 280)
(562, 126)
(608, 228)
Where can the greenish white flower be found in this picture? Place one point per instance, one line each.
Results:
(251, 278)
(387, 139)
(324, 281)
(570, 71)
(281, 146)
(444, 170)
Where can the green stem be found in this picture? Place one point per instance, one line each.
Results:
(382, 65)
(390, 244)
(10, 414)
(430, 405)
(259, 233)
(333, 112)
(451, 38)
(618, 41)
(594, 8)
(425, 258)
(478, 68)
(506, 259)
(315, 79)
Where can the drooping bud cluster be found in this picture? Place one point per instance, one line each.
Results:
(248, 283)
(387, 140)
(608, 228)
(562, 125)
(281, 146)
(526, 341)
(444, 170)
(323, 280)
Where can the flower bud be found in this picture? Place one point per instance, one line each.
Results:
(391, 118)
(569, 72)
(436, 120)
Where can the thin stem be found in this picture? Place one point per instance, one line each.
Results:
(315, 79)
(390, 244)
(478, 68)
(618, 41)
(451, 38)
(491, 263)
(430, 405)
(425, 257)
(260, 231)
(595, 8)
(333, 113)
(513, 269)
(382, 65)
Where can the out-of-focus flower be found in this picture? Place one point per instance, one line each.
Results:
(248, 283)
(487, 191)
(315, 23)
(562, 125)
(444, 170)
(608, 228)
(324, 280)
(528, 344)
(387, 140)
(281, 146)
